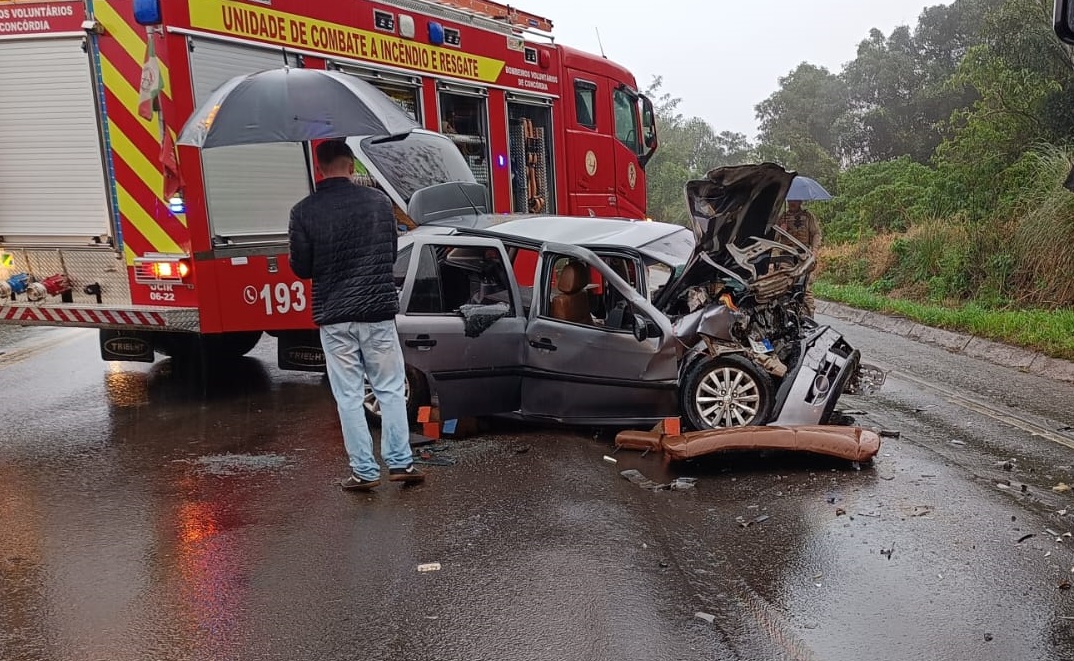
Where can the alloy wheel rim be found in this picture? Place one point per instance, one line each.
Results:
(727, 397)
(370, 400)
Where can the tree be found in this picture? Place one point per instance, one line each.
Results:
(689, 147)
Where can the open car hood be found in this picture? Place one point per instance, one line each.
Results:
(734, 204)
(424, 174)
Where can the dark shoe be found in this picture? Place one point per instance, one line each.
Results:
(355, 483)
(410, 475)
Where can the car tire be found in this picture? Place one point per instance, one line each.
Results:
(701, 391)
(417, 395)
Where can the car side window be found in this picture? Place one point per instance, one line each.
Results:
(578, 293)
(449, 277)
(585, 103)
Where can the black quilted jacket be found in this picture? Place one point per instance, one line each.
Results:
(344, 237)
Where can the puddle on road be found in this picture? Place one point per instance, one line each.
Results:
(225, 465)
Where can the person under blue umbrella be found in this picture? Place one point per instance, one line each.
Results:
(802, 224)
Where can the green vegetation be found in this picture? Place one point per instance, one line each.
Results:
(947, 146)
(1050, 332)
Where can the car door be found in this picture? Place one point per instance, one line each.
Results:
(591, 372)
(471, 373)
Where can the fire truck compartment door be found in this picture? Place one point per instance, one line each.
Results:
(249, 189)
(52, 181)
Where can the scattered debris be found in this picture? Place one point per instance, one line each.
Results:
(1025, 537)
(1000, 485)
(429, 566)
(887, 477)
(1005, 465)
(705, 616)
(428, 458)
(854, 412)
(927, 475)
(922, 409)
(1025, 488)
(871, 515)
(679, 484)
(889, 433)
(988, 637)
(1051, 532)
(921, 510)
(522, 449)
(1062, 487)
(957, 442)
(839, 511)
(1048, 554)
(1062, 512)
(611, 460)
(1065, 584)
(746, 524)
(888, 552)
(1066, 428)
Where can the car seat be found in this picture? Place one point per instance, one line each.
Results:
(572, 303)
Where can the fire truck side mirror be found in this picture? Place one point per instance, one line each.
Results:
(1063, 21)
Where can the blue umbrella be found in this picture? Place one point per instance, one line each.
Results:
(805, 189)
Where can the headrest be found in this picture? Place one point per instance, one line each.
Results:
(573, 278)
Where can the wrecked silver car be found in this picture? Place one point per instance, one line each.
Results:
(613, 322)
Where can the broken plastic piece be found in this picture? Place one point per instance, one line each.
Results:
(705, 616)
(429, 566)
(611, 460)
(1062, 487)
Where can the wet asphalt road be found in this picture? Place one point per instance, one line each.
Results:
(141, 518)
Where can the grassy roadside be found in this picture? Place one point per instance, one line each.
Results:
(1049, 332)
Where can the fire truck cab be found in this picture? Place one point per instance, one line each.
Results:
(105, 224)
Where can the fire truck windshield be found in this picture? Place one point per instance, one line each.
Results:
(418, 160)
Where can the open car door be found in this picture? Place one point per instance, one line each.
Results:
(620, 364)
(461, 324)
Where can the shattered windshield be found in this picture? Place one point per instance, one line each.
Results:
(416, 161)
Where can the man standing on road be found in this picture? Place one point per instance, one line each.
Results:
(344, 237)
(803, 226)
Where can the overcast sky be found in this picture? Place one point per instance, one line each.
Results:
(722, 57)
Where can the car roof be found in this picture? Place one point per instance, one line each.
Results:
(572, 230)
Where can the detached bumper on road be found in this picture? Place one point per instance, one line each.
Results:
(850, 443)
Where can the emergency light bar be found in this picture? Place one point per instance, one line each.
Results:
(161, 269)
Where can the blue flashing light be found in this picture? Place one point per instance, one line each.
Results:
(177, 205)
(436, 33)
(19, 283)
(501, 160)
(147, 12)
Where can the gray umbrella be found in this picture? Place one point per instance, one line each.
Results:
(292, 105)
(806, 189)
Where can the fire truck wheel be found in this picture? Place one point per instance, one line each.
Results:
(184, 348)
(229, 346)
(417, 395)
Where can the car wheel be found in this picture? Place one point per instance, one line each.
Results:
(727, 391)
(416, 393)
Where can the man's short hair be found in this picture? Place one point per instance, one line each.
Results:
(331, 150)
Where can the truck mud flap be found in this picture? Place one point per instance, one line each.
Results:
(300, 351)
(124, 345)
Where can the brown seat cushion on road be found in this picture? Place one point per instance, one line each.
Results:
(850, 443)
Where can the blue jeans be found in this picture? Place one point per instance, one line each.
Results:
(352, 351)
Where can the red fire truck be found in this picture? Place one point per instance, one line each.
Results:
(105, 224)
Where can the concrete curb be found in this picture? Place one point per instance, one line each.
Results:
(996, 353)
